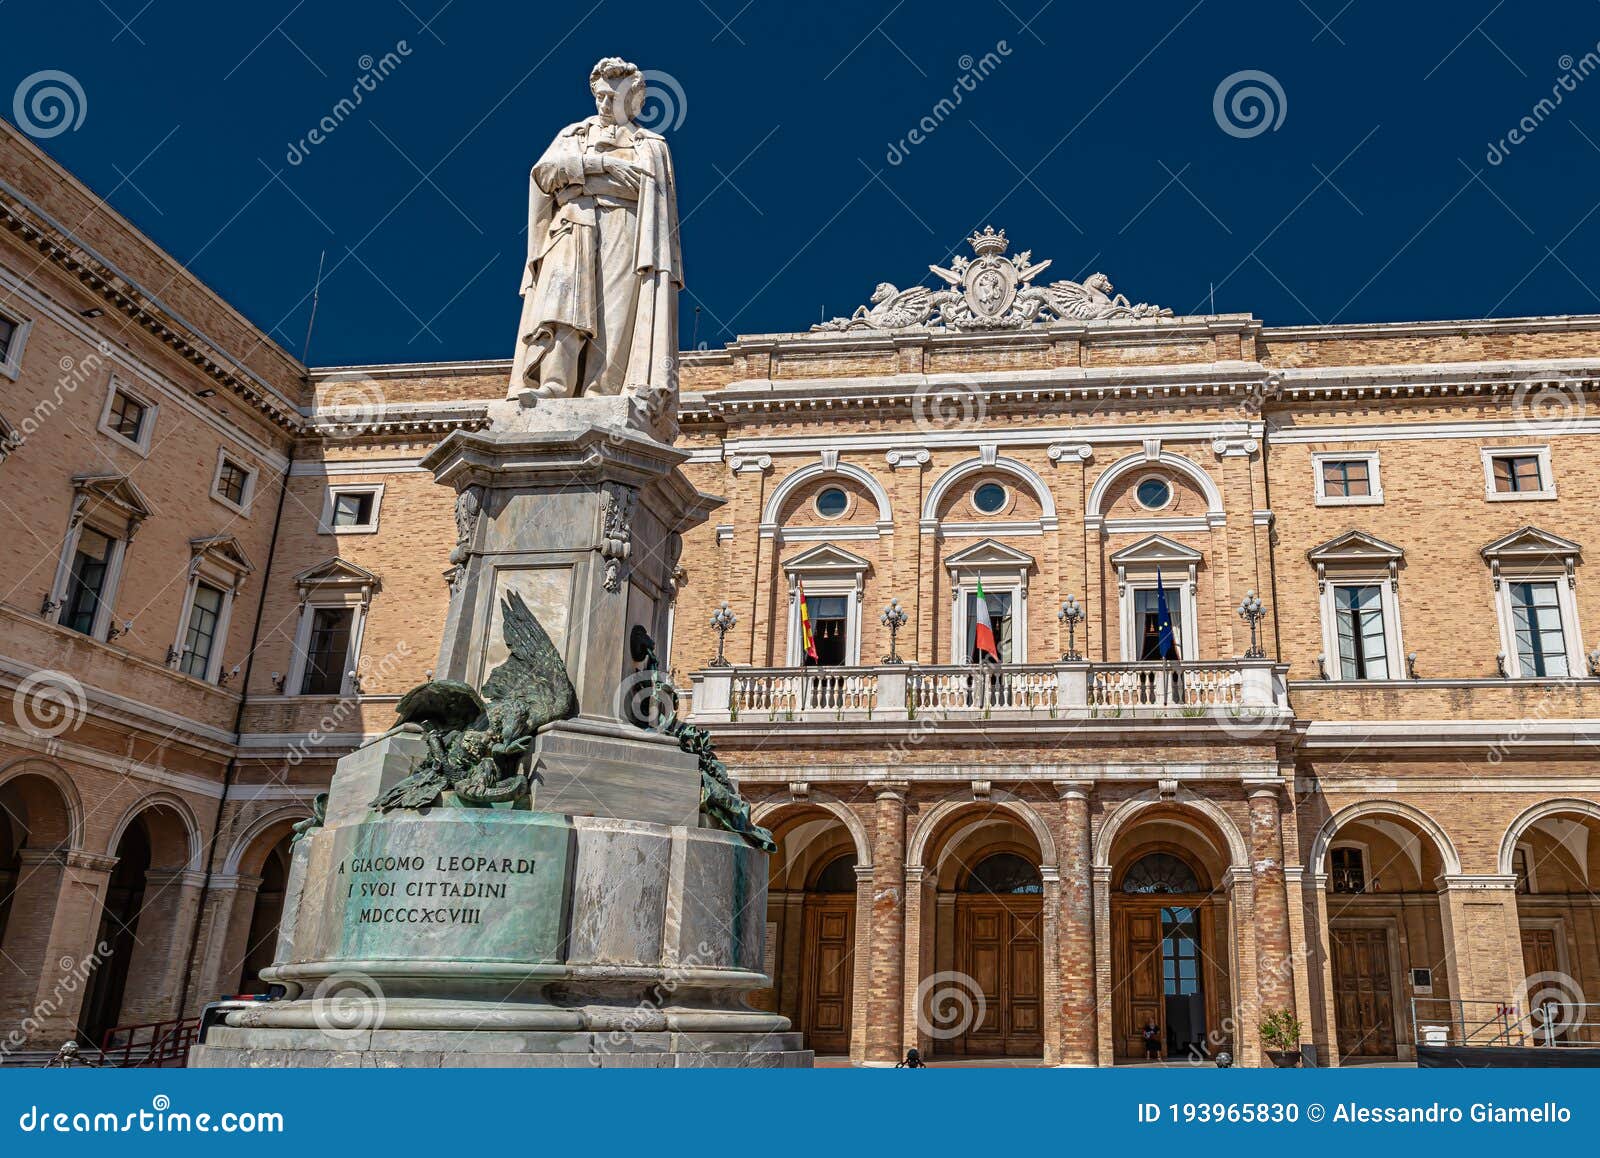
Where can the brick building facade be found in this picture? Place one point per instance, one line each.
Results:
(1376, 807)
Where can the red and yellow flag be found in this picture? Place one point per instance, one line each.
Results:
(806, 637)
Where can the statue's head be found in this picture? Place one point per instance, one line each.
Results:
(1098, 281)
(618, 87)
(883, 293)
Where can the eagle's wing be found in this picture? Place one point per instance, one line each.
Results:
(534, 674)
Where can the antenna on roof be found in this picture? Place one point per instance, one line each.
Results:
(1213, 307)
(694, 342)
(316, 291)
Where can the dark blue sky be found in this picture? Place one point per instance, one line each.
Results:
(1093, 141)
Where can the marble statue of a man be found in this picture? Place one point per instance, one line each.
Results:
(600, 290)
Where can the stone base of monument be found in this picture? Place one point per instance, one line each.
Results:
(509, 937)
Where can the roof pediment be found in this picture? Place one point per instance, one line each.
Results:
(827, 557)
(988, 553)
(223, 549)
(1530, 543)
(1355, 547)
(336, 574)
(116, 490)
(1156, 550)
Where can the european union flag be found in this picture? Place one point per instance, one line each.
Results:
(1167, 644)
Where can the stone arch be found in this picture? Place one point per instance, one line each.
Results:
(1019, 470)
(242, 845)
(807, 474)
(1394, 808)
(1000, 799)
(1123, 814)
(824, 802)
(1531, 816)
(1177, 463)
(72, 803)
(162, 802)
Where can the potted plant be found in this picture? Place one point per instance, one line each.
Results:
(1280, 1033)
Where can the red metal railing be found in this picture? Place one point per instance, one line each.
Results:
(160, 1044)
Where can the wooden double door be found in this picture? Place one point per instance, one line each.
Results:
(1000, 947)
(1363, 992)
(830, 941)
(1165, 960)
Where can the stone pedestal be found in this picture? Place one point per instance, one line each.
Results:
(601, 923)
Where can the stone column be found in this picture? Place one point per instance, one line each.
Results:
(224, 939)
(49, 947)
(911, 1032)
(886, 978)
(1274, 955)
(861, 979)
(1049, 938)
(1319, 943)
(1076, 928)
(1104, 1017)
(1482, 937)
(161, 945)
(1243, 965)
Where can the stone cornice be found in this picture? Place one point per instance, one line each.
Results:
(41, 232)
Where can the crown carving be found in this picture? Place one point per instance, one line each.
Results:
(988, 242)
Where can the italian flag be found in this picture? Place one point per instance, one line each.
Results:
(983, 632)
(806, 637)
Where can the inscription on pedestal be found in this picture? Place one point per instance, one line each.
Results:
(408, 889)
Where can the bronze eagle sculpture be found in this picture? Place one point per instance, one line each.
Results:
(476, 743)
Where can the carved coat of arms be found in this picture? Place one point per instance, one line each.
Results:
(993, 290)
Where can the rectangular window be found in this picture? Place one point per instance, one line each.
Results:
(1344, 478)
(1180, 953)
(1519, 865)
(1536, 622)
(232, 482)
(1363, 650)
(1516, 474)
(327, 650)
(1349, 870)
(8, 334)
(830, 618)
(86, 582)
(201, 638)
(999, 618)
(1147, 622)
(352, 508)
(127, 416)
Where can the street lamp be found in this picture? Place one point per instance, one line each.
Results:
(722, 621)
(1071, 614)
(1253, 611)
(894, 618)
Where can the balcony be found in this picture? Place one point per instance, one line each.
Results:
(1228, 690)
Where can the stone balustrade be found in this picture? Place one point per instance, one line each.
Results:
(1071, 691)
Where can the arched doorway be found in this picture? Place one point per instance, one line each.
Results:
(119, 921)
(814, 926)
(1166, 929)
(264, 918)
(979, 967)
(145, 921)
(1387, 953)
(1170, 923)
(38, 824)
(1553, 852)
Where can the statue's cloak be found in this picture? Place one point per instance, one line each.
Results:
(562, 280)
